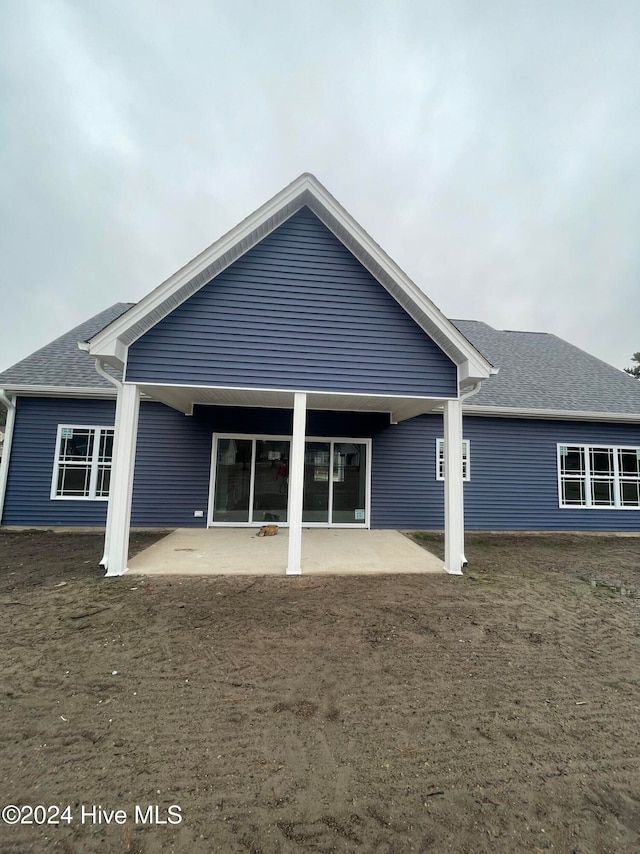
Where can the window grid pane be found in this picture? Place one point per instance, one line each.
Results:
(573, 461)
(573, 492)
(74, 480)
(629, 462)
(104, 479)
(599, 476)
(106, 446)
(78, 447)
(602, 492)
(630, 493)
(601, 461)
(440, 459)
(83, 466)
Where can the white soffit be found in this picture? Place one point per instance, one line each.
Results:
(185, 398)
(304, 191)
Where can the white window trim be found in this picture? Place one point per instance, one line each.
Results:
(617, 478)
(98, 429)
(466, 459)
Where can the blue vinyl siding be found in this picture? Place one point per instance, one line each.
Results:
(173, 457)
(27, 500)
(171, 477)
(514, 478)
(298, 311)
(404, 492)
(513, 482)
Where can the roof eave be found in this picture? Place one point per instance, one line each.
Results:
(57, 391)
(551, 414)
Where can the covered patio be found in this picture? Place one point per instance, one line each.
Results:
(288, 552)
(239, 551)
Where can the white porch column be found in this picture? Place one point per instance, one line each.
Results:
(296, 483)
(10, 404)
(124, 452)
(453, 489)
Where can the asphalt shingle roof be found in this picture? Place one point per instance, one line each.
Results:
(61, 363)
(538, 370)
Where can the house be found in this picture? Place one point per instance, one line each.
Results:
(292, 373)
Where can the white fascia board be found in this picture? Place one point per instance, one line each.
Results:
(59, 391)
(554, 414)
(305, 190)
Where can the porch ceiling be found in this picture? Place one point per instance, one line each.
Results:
(185, 398)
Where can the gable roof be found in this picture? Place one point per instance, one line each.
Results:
(540, 375)
(111, 343)
(539, 371)
(60, 364)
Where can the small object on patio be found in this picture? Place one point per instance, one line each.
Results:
(268, 531)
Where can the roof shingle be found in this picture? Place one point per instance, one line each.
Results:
(61, 363)
(538, 370)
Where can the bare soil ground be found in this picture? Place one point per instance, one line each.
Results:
(498, 712)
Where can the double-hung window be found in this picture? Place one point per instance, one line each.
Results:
(82, 467)
(440, 459)
(599, 476)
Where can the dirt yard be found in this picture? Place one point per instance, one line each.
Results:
(498, 712)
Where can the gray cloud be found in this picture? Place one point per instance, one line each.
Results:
(490, 148)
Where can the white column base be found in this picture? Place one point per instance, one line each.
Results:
(297, 571)
(112, 574)
(296, 484)
(453, 571)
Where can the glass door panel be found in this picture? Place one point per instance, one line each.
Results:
(349, 475)
(315, 505)
(233, 480)
(271, 490)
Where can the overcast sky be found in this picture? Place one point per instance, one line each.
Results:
(492, 148)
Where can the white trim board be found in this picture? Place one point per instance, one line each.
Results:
(59, 391)
(553, 414)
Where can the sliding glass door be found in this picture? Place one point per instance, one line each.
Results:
(317, 484)
(233, 480)
(251, 481)
(271, 481)
(349, 483)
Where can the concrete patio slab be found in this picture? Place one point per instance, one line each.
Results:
(238, 551)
